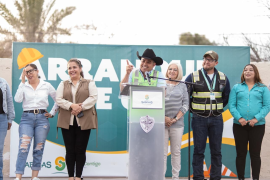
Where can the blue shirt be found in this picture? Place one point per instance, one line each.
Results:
(225, 92)
(160, 82)
(249, 104)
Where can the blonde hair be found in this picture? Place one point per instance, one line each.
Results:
(180, 71)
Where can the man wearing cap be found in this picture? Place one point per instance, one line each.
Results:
(138, 76)
(208, 98)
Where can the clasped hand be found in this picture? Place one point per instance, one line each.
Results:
(169, 121)
(251, 122)
(76, 109)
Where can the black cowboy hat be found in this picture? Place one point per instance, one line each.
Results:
(149, 54)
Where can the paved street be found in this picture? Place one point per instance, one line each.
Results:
(110, 178)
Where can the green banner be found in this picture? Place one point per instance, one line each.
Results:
(106, 65)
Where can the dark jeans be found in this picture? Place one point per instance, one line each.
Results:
(213, 128)
(76, 141)
(253, 135)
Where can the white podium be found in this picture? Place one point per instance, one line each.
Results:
(146, 114)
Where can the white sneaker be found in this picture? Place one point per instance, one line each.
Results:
(16, 179)
(35, 178)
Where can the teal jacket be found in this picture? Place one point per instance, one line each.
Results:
(249, 104)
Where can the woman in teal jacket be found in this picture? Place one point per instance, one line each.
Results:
(249, 103)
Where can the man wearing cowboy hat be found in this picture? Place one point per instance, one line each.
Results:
(209, 96)
(138, 77)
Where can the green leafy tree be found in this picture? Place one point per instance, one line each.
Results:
(196, 39)
(34, 23)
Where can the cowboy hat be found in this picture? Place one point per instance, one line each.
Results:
(149, 54)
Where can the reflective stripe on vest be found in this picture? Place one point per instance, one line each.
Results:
(206, 106)
(196, 76)
(206, 94)
(221, 75)
(138, 79)
(155, 75)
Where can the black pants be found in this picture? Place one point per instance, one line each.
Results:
(253, 135)
(76, 141)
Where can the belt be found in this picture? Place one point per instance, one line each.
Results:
(36, 111)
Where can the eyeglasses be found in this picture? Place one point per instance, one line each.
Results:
(171, 69)
(30, 71)
(210, 60)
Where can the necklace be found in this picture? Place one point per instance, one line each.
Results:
(172, 83)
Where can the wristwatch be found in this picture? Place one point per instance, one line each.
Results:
(176, 118)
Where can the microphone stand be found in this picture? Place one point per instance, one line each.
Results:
(189, 84)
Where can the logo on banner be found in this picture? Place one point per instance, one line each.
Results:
(60, 163)
(47, 164)
(147, 123)
(96, 164)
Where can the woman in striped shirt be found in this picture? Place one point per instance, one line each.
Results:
(176, 105)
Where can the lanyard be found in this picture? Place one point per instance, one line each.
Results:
(211, 89)
(150, 74)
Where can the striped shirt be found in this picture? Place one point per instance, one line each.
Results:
(176, 100)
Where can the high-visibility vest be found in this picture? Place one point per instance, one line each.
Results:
(138, 79)
(201, 103)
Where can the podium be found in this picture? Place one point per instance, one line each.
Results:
(145, 122)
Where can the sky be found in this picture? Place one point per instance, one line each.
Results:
(158, 22)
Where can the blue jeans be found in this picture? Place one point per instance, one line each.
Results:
(32, 125)
(3, 132)
(213, 128)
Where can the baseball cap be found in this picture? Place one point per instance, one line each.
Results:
(213, 54)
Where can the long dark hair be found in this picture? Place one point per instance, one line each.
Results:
(33, 66)
(257, 78)
(78, 62)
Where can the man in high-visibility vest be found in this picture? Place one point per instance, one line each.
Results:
(138, 76)
(208, 98)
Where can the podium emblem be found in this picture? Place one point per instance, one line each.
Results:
(146, 97)
(147, 123)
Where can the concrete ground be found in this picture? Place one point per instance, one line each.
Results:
(109, 178)
(103, 178)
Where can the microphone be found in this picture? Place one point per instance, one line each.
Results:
(147, 77)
